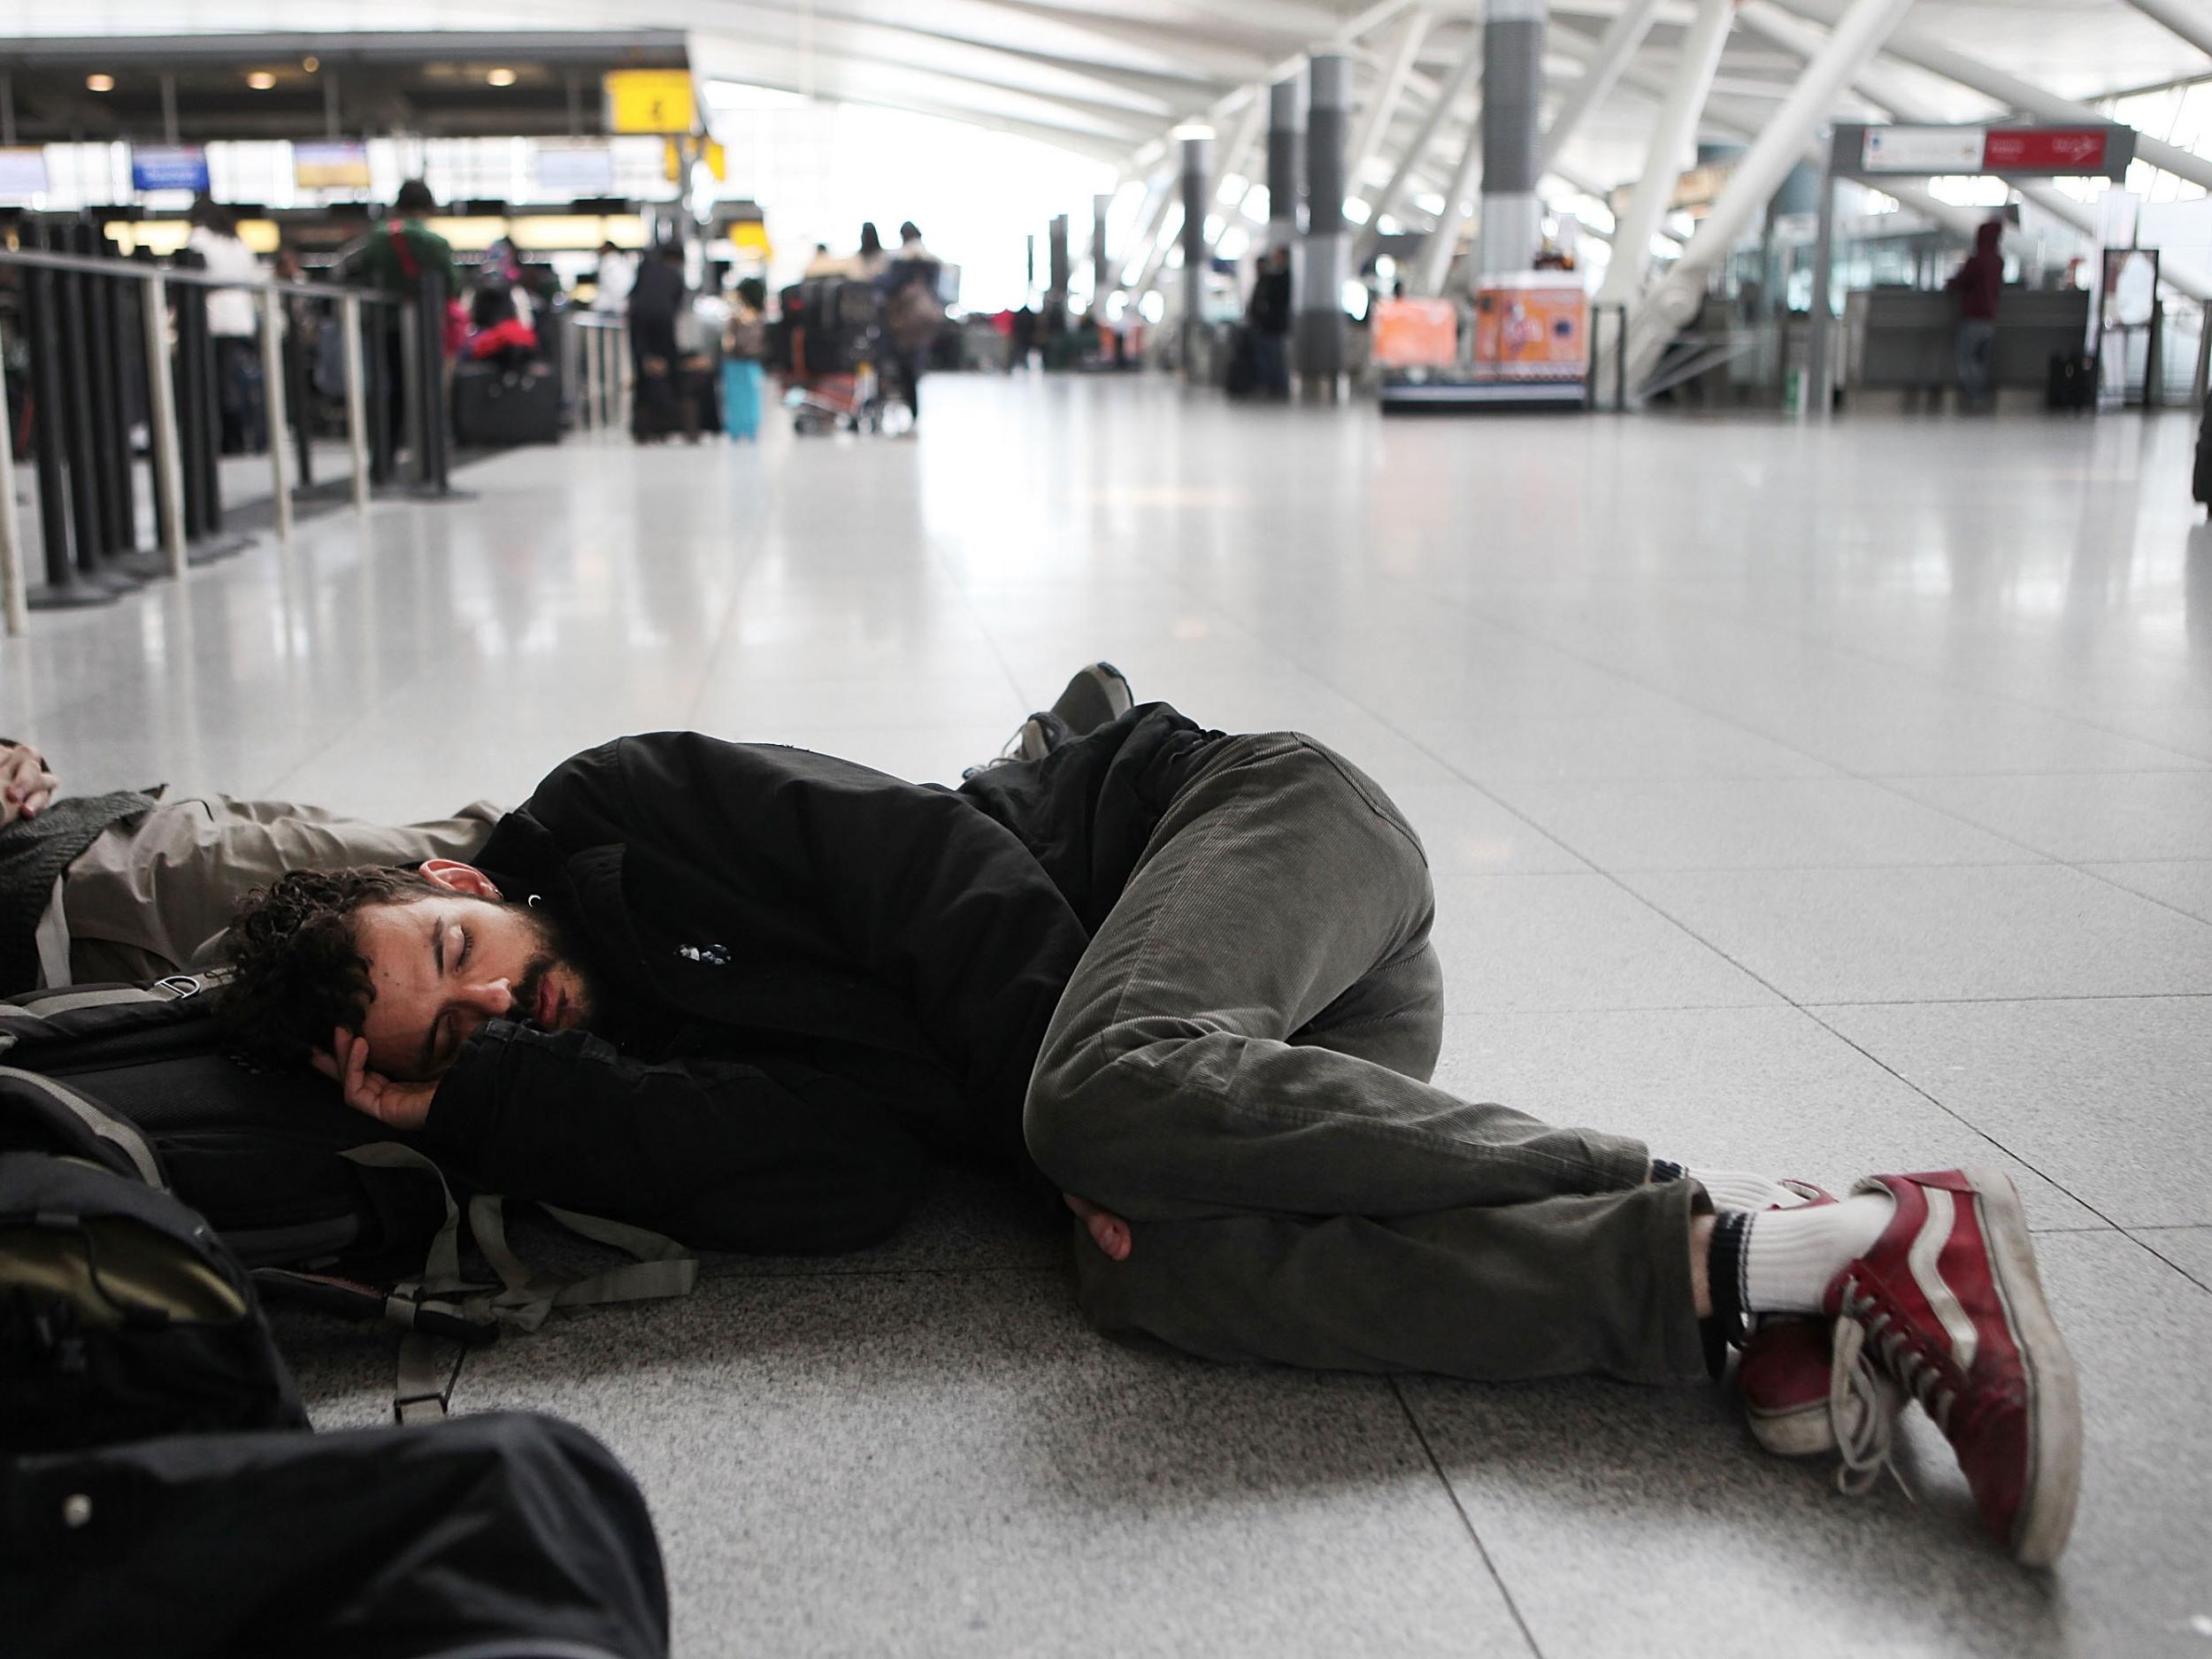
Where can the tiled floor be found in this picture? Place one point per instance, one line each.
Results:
(1814, 801)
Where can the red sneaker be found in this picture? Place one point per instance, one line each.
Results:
(1947, 1303)
(1797, 1403)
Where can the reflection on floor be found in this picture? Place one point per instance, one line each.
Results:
(1808, 800)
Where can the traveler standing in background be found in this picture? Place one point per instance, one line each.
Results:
(869, 262)
(744, 347)
(656, 299)
(612, 282)
(1978, 284)
(913, 312)
(393, 258)
(232, 323)
(1268, 316)
(825, 264)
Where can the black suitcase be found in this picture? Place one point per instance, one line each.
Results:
(496, 409)
(2203, 480)
(1242, 378)
(2073, 381)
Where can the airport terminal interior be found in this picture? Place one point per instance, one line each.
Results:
(1783, 612)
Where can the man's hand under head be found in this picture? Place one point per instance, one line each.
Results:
(25, 785)
(402, 1105)
(1109, 1231)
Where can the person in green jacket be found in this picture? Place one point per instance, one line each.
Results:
(395, 253)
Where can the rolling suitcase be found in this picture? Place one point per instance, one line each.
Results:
(2203, 479)
(2073, 381)
(497, 409)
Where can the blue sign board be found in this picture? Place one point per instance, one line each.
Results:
(168, 167)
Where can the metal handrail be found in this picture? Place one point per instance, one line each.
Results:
(139, 270)
(165, 457)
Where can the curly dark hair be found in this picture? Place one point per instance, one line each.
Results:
(297, 971)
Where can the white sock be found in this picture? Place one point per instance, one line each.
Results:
(1791, 1257)
(1733, 1189)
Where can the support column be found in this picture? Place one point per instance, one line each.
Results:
(1285, 137)
(1318, 284)
(1777, 148)
(1463, 76)
(1820, 324)
(1512, 150)
(1672, 135)
(1624, 37)
(1196, 358)
(1101, 274)
(1056, 271)
(1374, 126)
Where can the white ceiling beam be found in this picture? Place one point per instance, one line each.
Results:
(856, 81)
(2190, 21)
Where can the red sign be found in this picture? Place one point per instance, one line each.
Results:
(2044, 150)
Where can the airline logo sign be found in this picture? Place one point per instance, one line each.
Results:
(2045, 150)
(1978, 149)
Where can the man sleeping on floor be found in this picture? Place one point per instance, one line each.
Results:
(737, 992)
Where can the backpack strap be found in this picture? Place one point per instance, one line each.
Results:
(410, 266)
(430, 1307)
(83, 1127)
(663, 1267)
(70, 1012)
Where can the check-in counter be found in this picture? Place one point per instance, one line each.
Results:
(1906, 339)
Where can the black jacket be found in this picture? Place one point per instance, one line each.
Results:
(808, 972)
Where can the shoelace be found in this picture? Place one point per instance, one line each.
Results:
(1865, 1444)
(1006, 757)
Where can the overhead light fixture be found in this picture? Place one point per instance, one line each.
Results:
(261, 81)
(501, 77)
(99, 83)
(311, 63)
(1191, 129)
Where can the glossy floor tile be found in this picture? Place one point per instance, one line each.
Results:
(1811, 799)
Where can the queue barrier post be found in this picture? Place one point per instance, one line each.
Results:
(272, 389)
(587, 340)
(79, 430)
(350, 324)
(14, 612)
(63, 587)
(161, 424)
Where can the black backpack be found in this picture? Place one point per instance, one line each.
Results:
(325, 1206)
(122, 1314)
(260, 1153)
(501, 1536)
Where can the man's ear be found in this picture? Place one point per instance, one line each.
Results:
(456, 876)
